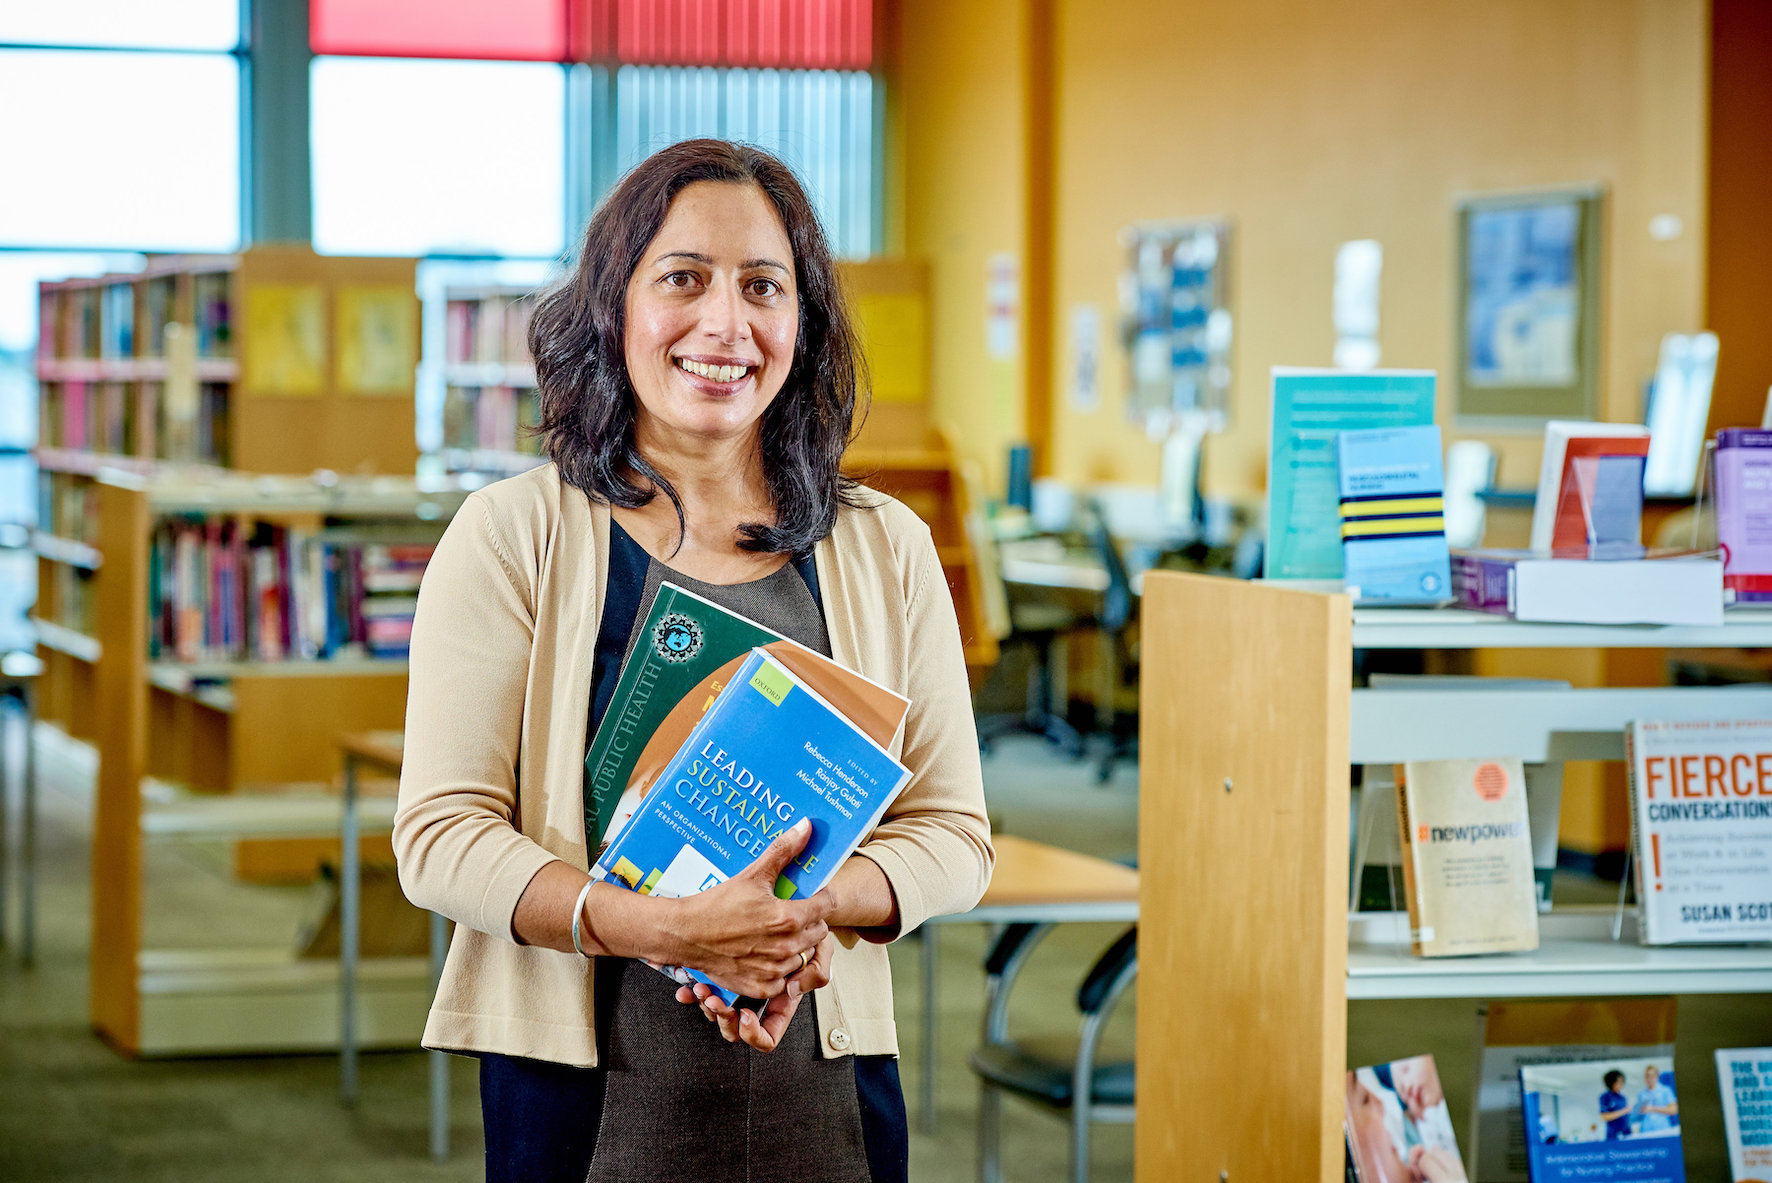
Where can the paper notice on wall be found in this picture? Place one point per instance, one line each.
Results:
(285, 348)
(895, 339)
(377, 331)
(1002, 331)
(1359, 265)
(1085, 357)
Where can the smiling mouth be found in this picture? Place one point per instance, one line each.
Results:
(713, 373)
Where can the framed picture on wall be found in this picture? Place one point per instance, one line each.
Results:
(1176, 318)
(1528, 307)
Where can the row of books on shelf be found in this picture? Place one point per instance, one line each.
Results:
(490, 329)
(1357, 495)
(1586, 563)
(223, 591)
(494, 418)
(137, 419)
(1472, 843)
(1565, 1091)
(101, 320)
(67, 508)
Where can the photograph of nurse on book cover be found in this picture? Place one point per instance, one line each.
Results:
(1398, 1127)
(1601, 1101)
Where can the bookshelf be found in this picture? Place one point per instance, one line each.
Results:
(490, 402)
(182, 722)
(1248, 730)
(272, 360)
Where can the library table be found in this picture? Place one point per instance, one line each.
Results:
(1032, 883)
(382, 751)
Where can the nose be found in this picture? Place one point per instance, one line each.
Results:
(723, 313)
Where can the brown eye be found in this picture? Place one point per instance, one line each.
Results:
(765, 287)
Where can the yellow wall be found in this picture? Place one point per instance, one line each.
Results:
(1308, 123)
(955, 131)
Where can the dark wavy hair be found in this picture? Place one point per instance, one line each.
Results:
(587, 400)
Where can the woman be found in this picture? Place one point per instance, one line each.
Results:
(698, 379)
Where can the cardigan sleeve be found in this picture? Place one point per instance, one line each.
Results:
(457, 848)
(934, 844)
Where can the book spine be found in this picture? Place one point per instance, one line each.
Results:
(1634, 779)
(1410, 874)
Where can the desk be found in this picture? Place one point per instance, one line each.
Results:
(1032, 883)
(382, 750)
(18, 675)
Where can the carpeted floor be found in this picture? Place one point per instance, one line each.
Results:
(72, 1109)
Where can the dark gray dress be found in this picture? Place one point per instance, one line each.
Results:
(681, 1103)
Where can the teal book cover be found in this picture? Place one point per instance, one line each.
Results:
(768, 752)
(1393, 525)
(1310, 408)
(684, 643)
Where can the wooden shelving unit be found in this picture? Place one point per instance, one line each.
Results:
(238, 750)
(490, 403)
(1247, 733)
(273, 360)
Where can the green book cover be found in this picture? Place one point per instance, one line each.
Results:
(686, 642)
(1304, 495)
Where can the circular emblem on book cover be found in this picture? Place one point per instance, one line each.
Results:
(676, 637)
(1491, 782)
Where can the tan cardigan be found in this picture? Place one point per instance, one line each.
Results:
(491, 789)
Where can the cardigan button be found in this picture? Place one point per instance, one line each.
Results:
(839, 1040)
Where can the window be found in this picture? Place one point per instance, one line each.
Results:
(132, 24)
(438, 157)
(820, 122)
(135, 151)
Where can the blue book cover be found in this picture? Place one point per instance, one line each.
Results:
(1309, 408)
(1600, 1120)
(1393, 526)
(768, 752)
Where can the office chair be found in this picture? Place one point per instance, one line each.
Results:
(1115, 622)
(1035, 626)
(1088, 1090)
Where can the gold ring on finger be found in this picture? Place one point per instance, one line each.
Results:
(804, 960)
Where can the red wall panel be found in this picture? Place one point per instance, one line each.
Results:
(521, 30)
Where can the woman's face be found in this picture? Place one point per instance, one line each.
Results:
(712, 316)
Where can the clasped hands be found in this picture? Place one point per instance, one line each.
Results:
(742, 936)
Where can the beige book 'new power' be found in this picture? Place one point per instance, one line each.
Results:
(1467, 858)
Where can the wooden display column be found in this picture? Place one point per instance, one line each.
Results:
(122, 685)
(1242, 1028)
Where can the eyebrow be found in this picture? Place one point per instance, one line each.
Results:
(697, 257)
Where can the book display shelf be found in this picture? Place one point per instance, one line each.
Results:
(233, 641)
(1248, 732)
(490, 403)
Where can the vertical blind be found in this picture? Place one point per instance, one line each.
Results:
(819, 121)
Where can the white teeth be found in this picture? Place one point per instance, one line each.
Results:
(714, 373)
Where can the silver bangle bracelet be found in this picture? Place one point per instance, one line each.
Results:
(578, 914)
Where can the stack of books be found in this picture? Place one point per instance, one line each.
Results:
(724, 736)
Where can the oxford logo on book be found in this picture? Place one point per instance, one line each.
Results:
(677, 638)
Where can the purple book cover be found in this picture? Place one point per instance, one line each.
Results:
(1744, 512)
(1480, 581)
